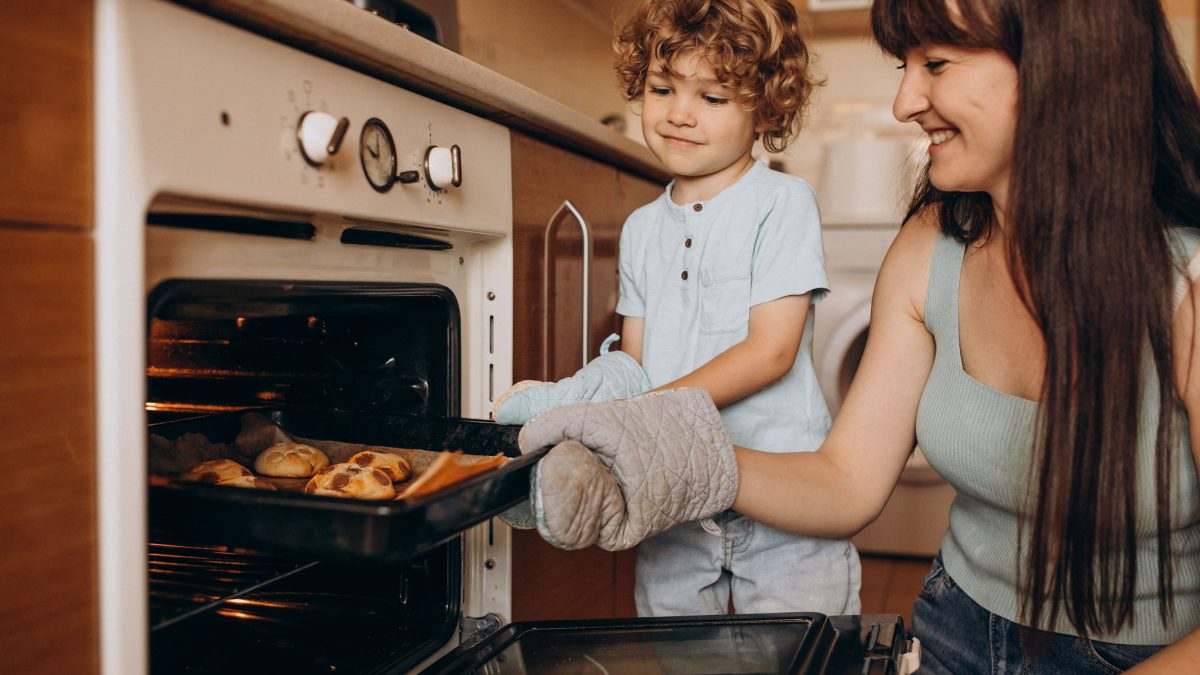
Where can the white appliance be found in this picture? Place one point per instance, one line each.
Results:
(861, 192)
(197, 116)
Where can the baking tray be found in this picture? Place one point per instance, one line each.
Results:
(336, 528)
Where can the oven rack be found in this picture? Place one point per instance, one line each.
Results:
(187, 579)
(218, 610)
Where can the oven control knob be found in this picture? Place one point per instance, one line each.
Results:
(320, 135)
(443, 167)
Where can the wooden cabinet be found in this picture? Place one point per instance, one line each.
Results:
(49, 609)
(836, 23)
(548, 329)
(46, 122)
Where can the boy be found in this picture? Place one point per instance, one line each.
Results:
(718, 276)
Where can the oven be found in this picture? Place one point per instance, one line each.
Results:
(288, 248)
(279, 234)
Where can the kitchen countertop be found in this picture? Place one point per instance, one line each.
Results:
(341, 32)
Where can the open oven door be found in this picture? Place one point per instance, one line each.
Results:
(803, 643)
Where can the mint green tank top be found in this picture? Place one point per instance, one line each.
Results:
(980, 439)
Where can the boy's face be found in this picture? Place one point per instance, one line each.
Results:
(693, 124)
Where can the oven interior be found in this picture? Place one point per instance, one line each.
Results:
(233, 345)
(353, 352)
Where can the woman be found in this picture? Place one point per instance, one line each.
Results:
(1033, 327)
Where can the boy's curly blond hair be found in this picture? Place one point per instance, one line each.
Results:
(754, 46)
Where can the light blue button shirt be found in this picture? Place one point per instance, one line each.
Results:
(693, 272)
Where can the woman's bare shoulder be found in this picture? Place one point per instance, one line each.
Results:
(904, 276)
(919, 233)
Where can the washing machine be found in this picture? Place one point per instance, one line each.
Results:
(860, 193)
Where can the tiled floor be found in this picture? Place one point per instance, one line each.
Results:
(892, 584)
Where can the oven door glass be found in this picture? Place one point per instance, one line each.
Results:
(803, 643)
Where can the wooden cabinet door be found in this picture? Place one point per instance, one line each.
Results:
(548, 345)
(49, 606)
(547, 339)
(549, 256)
(48, 578)
(46, 121)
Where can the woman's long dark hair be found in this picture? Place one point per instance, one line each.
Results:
(1106, 160)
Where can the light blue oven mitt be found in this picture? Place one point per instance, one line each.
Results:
(623, 471)
(608, 377)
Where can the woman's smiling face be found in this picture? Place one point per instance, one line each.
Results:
(966, 101)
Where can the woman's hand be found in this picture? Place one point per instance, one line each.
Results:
(655, 461)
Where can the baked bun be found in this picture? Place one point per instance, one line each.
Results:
(248, 482)
(351, 480)
(216, 471)
(290, 460)
(396, 467)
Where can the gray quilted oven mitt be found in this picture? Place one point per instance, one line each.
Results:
(610, 376)
(623, 471)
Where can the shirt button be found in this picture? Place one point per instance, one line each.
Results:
(697, 207)
(684, 275)
(687, 243)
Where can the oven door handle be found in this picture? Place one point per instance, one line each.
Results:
(551, 232)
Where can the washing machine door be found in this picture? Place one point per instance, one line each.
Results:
(842, 326)
(839, 340)
(917, 514)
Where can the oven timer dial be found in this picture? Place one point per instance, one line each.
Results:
(443, 167)
(377, 151)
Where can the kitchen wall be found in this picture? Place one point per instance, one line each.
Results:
(855, 101)
(1184, 15)
(561, 48)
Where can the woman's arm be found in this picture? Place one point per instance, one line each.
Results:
(1186, 354)
(840, 489)
(1179, 657)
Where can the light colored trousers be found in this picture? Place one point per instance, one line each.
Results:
(694, 569)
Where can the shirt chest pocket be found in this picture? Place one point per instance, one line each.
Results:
(725, 306)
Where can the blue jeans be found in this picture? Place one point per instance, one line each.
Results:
(694, 568)
(960, 637)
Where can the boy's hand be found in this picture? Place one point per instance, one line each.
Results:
(655, 461)
(610, 376)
